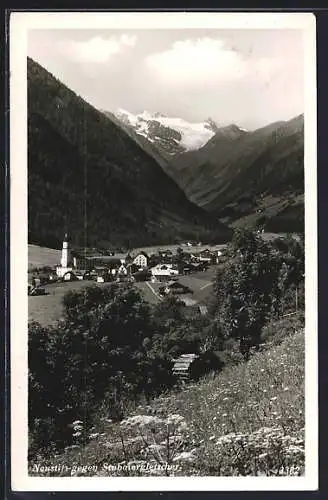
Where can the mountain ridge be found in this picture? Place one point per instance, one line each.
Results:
(86, 174)
(266, 162)
(170, 135)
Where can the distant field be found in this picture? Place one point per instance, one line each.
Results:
(42, 256)
(47, 309)
(173, 248)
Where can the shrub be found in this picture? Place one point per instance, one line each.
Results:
(257, 284)
(98, 349)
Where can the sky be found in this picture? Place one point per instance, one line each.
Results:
(248, 77)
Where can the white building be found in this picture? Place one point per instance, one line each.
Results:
(164, 270)
(122, 269)
(141, 260)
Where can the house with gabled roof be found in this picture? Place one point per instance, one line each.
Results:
(175, 287)
(164, 272)
(141, 260)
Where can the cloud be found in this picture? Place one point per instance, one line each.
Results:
(204, 60)
(97, 49)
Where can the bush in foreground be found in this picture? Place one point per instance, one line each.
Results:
(248, 420)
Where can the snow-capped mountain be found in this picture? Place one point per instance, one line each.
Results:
(170, 135)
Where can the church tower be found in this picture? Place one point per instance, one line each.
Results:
(65, 261)
(65, 253)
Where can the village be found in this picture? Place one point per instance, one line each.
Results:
(185, 271)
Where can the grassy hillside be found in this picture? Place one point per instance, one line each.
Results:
(42, 256)
(234, 175)
(88, 177)
(248, 420)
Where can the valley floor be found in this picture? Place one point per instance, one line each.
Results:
(47, 309)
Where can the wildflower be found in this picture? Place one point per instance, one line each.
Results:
(77, 422)
(77, 434)
(141, 420)
(274, 398)
(94, 435)
(175, 419)
(185, 455)
(211, 438)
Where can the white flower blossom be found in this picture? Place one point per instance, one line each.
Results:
(94, 435)
(175, 419)
(141, 420)
(185, 455)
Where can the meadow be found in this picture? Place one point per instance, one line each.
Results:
(246, 421)
(42, 256)
(47, 309)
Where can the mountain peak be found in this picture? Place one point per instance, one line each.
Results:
(171, 135)
(231, 131)
(212, 124)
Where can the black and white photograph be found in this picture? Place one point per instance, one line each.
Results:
(163, 251)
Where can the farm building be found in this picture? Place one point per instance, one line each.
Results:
(186, 268)
(34, 291)
(175, 287)
(70, 276)
(182, 367)
(208, 256)
(162, 272)
(193, 366)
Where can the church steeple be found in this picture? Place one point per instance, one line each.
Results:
(65, 252)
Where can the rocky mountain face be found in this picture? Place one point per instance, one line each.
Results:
(252, 176)
(243, 177)
(88, 176)
(170, 136)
